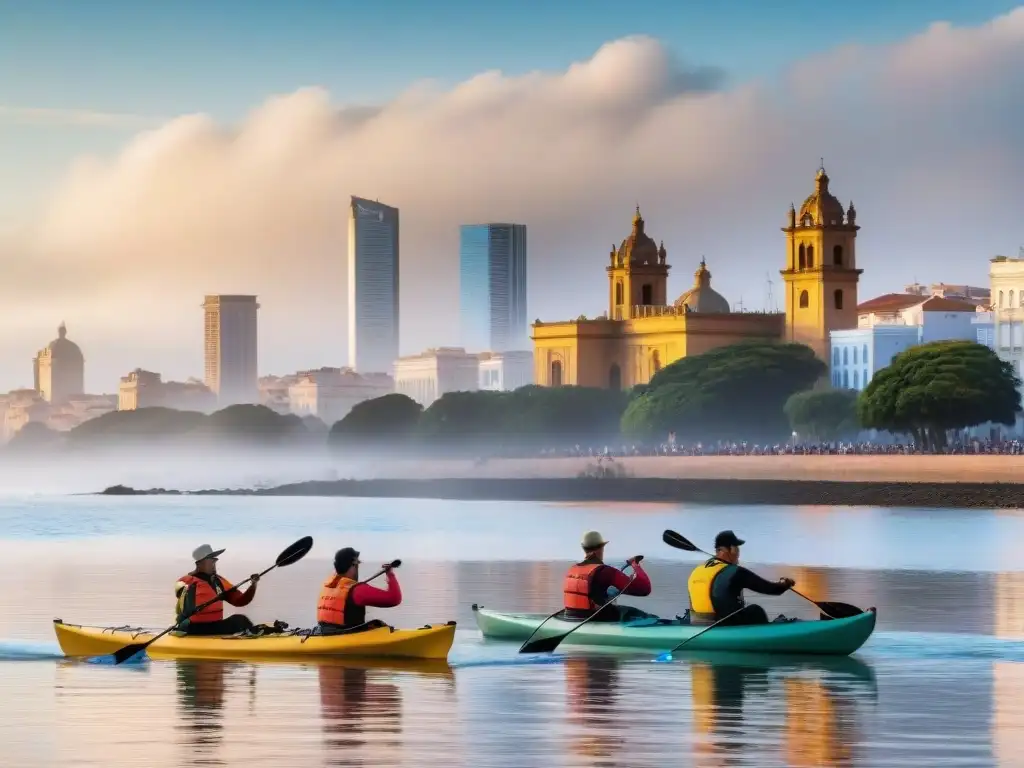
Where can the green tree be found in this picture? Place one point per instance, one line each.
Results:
(140, 425)
(930, 389)
(457, 417)
(390, 419)
(735, 392)
(34, 436)
(825, 414)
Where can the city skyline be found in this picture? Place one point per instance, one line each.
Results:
(217, 200)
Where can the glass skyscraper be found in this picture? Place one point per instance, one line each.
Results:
(492, 287)
(372, 286)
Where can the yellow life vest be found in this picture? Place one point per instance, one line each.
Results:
(699, 585)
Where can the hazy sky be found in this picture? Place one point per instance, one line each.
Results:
(150, 155)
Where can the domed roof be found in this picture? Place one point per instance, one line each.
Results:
(702, 297)
(62, 347)
(822, 207)
(639, 247)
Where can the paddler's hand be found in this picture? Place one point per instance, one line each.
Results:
(635, 560)
(787, 582)
(255, 579)
(386, 567)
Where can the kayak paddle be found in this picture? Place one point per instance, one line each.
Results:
(292, 554)
(831, 610)
(381, 572)
(667, 656)
(548, 644)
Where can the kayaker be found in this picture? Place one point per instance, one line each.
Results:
(716, 586)
(202, 585)
(588, 585)
(343, 601)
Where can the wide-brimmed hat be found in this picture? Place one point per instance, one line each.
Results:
(592, 540)
(206, 552)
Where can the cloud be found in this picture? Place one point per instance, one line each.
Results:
(923, 135)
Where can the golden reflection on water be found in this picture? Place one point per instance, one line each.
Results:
(585, 711)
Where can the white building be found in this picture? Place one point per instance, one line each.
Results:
(427, 376)
(330, 393)
(147, 389)
(891, 324)
(505, 371)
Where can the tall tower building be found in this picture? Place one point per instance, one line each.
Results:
(59, 369)
(637, 273)
(373, 308)
(230, 336)
(821, 274)
(492, 287)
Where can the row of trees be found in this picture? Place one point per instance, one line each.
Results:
(753, 391)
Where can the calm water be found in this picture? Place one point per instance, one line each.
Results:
(938, 685)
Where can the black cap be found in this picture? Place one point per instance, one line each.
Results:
(728, 539)
(344, 558)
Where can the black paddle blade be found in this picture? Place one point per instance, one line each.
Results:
(839, 610)
(544, 645)
(678, 541)
(127, 652)
(395, 563)
(295, 552)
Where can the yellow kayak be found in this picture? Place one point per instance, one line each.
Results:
(433, 641)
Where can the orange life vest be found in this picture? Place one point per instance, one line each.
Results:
(204, 592)
(335, 605)
(576, 589)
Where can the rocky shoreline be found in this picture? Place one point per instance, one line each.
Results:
(948, 495)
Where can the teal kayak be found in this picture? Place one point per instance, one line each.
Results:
(832, 637)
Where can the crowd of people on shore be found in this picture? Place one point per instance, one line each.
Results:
(671, 448)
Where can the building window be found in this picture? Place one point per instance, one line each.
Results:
(837, 255)
(618, 294)
(810, 257)
(838, 295)
(615, 377)
(865, 351)
(1009, 300)
(846, 355)
(803, 257)
(1000, 298)
(865, 379)
(846, 379)
(835, 356)
(556, 373)
(804, 300)
(646, 295)
(856, 380)
(655, 361)
(854, 355)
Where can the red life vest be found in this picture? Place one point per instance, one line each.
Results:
(335, 605)
(204, 593)
(576, 588)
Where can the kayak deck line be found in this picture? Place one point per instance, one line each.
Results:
(829, 637)
(431, 641)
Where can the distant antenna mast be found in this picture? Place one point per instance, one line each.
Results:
(1020, 252)
(771, 297)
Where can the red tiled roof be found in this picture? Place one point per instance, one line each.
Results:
(897, 302)
(891, 302)
(942, 304)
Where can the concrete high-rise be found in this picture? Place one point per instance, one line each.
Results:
(373, 309)
(492, 287)
(230, 336)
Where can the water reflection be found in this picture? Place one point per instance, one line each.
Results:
(592, 689)
(734, 694)
(355, 709)
(200, 688)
